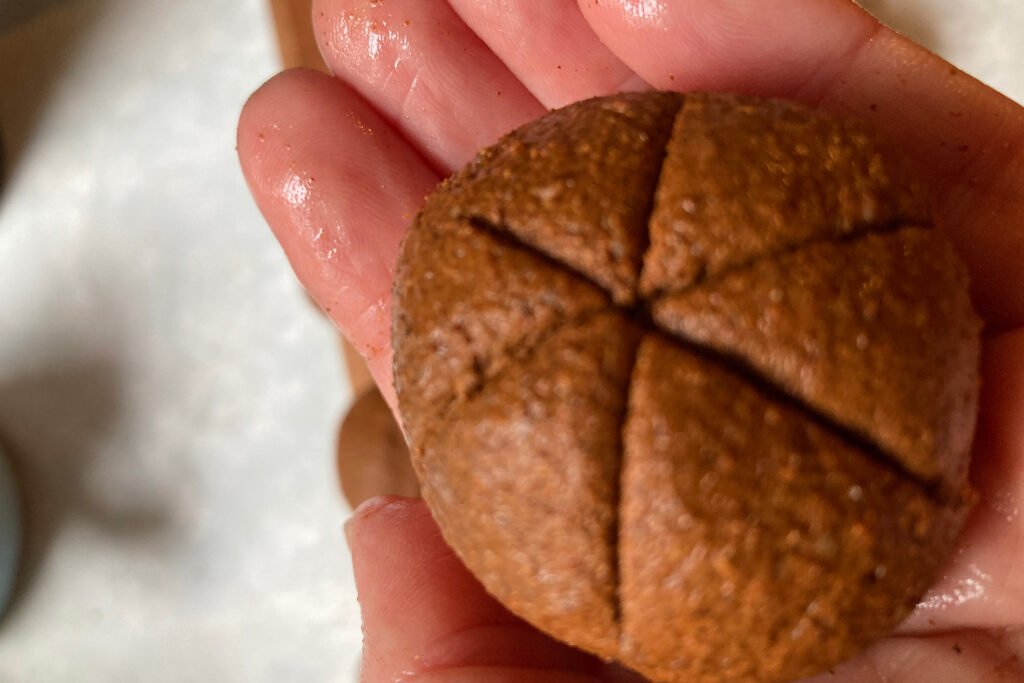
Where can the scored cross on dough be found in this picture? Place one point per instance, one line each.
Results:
(843, 326)
(739, 184)
(518, 304)
(576, 185)
(526, 474)
(743, 181)
(766, 508)
(469, 304)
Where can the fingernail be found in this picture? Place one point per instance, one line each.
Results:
(368, 508)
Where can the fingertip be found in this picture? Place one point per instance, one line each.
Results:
(400, 507)
(389, 537)
(264, 107)
(260, 144)
(336, 185)
(356, 525)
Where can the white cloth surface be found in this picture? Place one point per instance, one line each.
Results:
(168, 393)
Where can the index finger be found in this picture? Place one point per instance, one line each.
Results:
(967, 139)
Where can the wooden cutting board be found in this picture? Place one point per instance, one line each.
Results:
(294, 22)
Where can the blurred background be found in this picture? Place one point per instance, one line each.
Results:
(168, 396)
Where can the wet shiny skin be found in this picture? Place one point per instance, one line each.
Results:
(820, 52)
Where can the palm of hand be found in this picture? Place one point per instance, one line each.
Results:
(339, 166)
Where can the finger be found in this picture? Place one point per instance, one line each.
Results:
(424, 612)
(758, 48)
(426, 72)
(984, 585)
(549, 47)
(967, 139)
(338, 187)
(957, 656)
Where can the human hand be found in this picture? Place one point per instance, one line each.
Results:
(340, 165)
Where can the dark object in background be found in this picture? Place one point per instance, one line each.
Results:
(373, 459)
(10, 529)
(690, 382)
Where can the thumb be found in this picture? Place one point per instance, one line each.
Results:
(426, 618)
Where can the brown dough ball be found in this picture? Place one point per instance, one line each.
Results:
(690, 382)
(373, 459)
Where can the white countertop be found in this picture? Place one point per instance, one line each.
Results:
(169, 395)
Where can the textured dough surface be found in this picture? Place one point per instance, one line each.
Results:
(742, 181)
(775, 477)
(769, 528)
(767, 314)
(530, 435)
(576, 185)
(470, 304)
